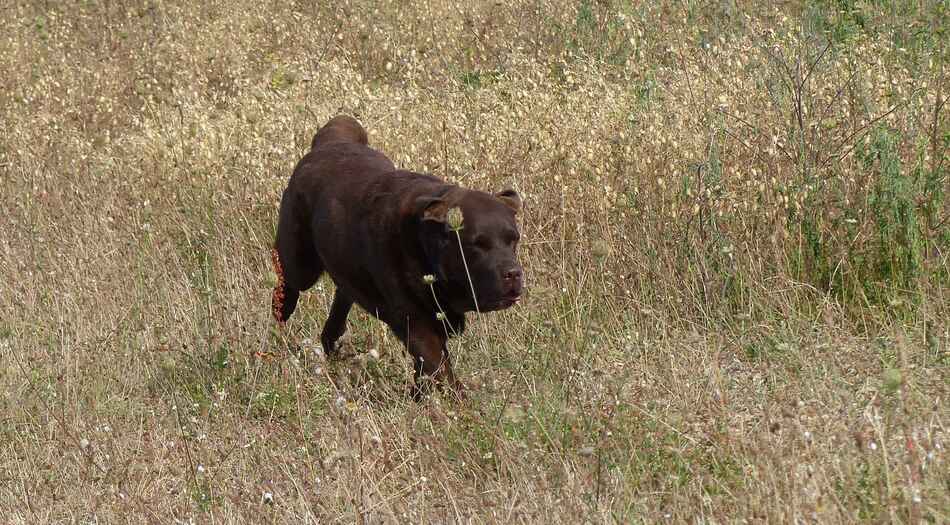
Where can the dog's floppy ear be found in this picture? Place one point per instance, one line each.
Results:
(511, 198)
(433, 232)
(431, 208)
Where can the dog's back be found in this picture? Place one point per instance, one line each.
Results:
(340, 129)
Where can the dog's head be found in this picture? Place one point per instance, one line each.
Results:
(485, 227)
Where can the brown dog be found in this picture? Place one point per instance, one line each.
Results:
(381, 233)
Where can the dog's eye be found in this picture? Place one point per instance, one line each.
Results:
(482, 243)
(512, 238)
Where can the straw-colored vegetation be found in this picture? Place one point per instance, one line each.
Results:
(736, 237)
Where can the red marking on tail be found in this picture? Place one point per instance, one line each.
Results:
(277, 301)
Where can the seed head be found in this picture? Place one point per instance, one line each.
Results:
(428, 278)
(454, 218)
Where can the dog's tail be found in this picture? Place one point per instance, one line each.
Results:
(341, 128)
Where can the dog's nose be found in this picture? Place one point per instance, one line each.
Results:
(514, 274)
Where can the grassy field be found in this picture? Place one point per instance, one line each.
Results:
(736, 240)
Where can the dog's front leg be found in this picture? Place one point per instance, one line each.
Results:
(431, 361)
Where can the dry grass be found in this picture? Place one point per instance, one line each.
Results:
(736, 238)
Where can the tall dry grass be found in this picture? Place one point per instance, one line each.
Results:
(736, 236)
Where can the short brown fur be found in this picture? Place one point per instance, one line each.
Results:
(379, 232)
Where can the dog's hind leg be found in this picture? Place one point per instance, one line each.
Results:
(335, 326)
(296, 262)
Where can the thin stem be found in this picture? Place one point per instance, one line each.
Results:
(467, 274)
(445, 319)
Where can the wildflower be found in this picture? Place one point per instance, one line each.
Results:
(454, 219)
(428, 278)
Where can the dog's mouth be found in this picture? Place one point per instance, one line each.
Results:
(506, 301)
